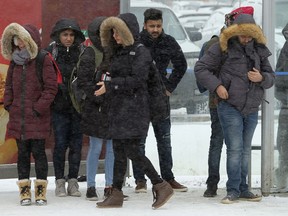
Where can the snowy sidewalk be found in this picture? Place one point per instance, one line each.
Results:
(181, 204)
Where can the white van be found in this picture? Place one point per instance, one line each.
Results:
(186, 94)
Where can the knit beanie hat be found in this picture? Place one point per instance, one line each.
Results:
(244, 18)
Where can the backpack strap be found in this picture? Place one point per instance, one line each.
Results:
(39, 65)
(98, 56)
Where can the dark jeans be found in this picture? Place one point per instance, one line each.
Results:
(215, 149)
(37, 148)
(163, 138)
(129, 148)
(67, 135)
(282, 139)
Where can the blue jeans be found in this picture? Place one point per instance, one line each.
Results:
(95, 147)
(163, 138)
(215, 148)
(238, 132)
(67, 134)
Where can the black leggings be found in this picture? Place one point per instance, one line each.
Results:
(37, 148)
(129, 148)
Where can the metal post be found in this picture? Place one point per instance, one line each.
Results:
(124, 6)
(267, 137)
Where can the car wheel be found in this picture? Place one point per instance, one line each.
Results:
(191, 108)
(197, 108)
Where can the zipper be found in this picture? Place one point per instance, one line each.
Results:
(22, 102)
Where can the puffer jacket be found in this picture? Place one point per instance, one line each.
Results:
(281, 82)
(28, 104)
(66, 59)
(127, 91)
(164, 50)
(94, 115)
(233, 61)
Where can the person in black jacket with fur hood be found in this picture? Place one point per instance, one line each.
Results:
(128, 113)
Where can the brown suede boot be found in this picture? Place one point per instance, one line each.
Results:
(115, 200)
(25, 191)
(40, 191)
(162, 192)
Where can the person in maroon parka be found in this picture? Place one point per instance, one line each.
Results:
(28, 103)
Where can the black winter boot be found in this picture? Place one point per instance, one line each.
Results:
(211, 190)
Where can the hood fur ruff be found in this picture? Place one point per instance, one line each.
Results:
(247, 29)
(118, 24)
(7, 40)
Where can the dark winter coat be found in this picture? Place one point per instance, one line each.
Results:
(66, 59)
(165, 50)
(281, 82)
(94, 115)
(27, 103)
(233, 61)
(127, 90)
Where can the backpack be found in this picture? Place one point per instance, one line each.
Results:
(158, 100)
(39, 67)
(78, 95)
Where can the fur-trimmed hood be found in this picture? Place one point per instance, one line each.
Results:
(126, 25)
(29, 34)
(244, 24)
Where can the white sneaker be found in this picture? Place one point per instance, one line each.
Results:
(60, 190)
(73, 188)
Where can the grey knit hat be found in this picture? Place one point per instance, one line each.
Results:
(244, 18)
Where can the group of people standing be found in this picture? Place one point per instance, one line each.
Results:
(115, 112)
(234, 68)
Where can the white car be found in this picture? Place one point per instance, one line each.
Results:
(213, 24)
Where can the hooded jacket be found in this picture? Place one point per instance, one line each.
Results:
(227, 63)
(128, 114)
(281, 82)
(27, 103)
(94, 115)
(66, 59)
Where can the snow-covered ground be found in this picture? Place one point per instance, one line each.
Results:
(181, 204)
(190, 142)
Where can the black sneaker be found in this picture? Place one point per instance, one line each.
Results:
(82, 178)
(249, 196)
(91, 194)
(211, 191)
